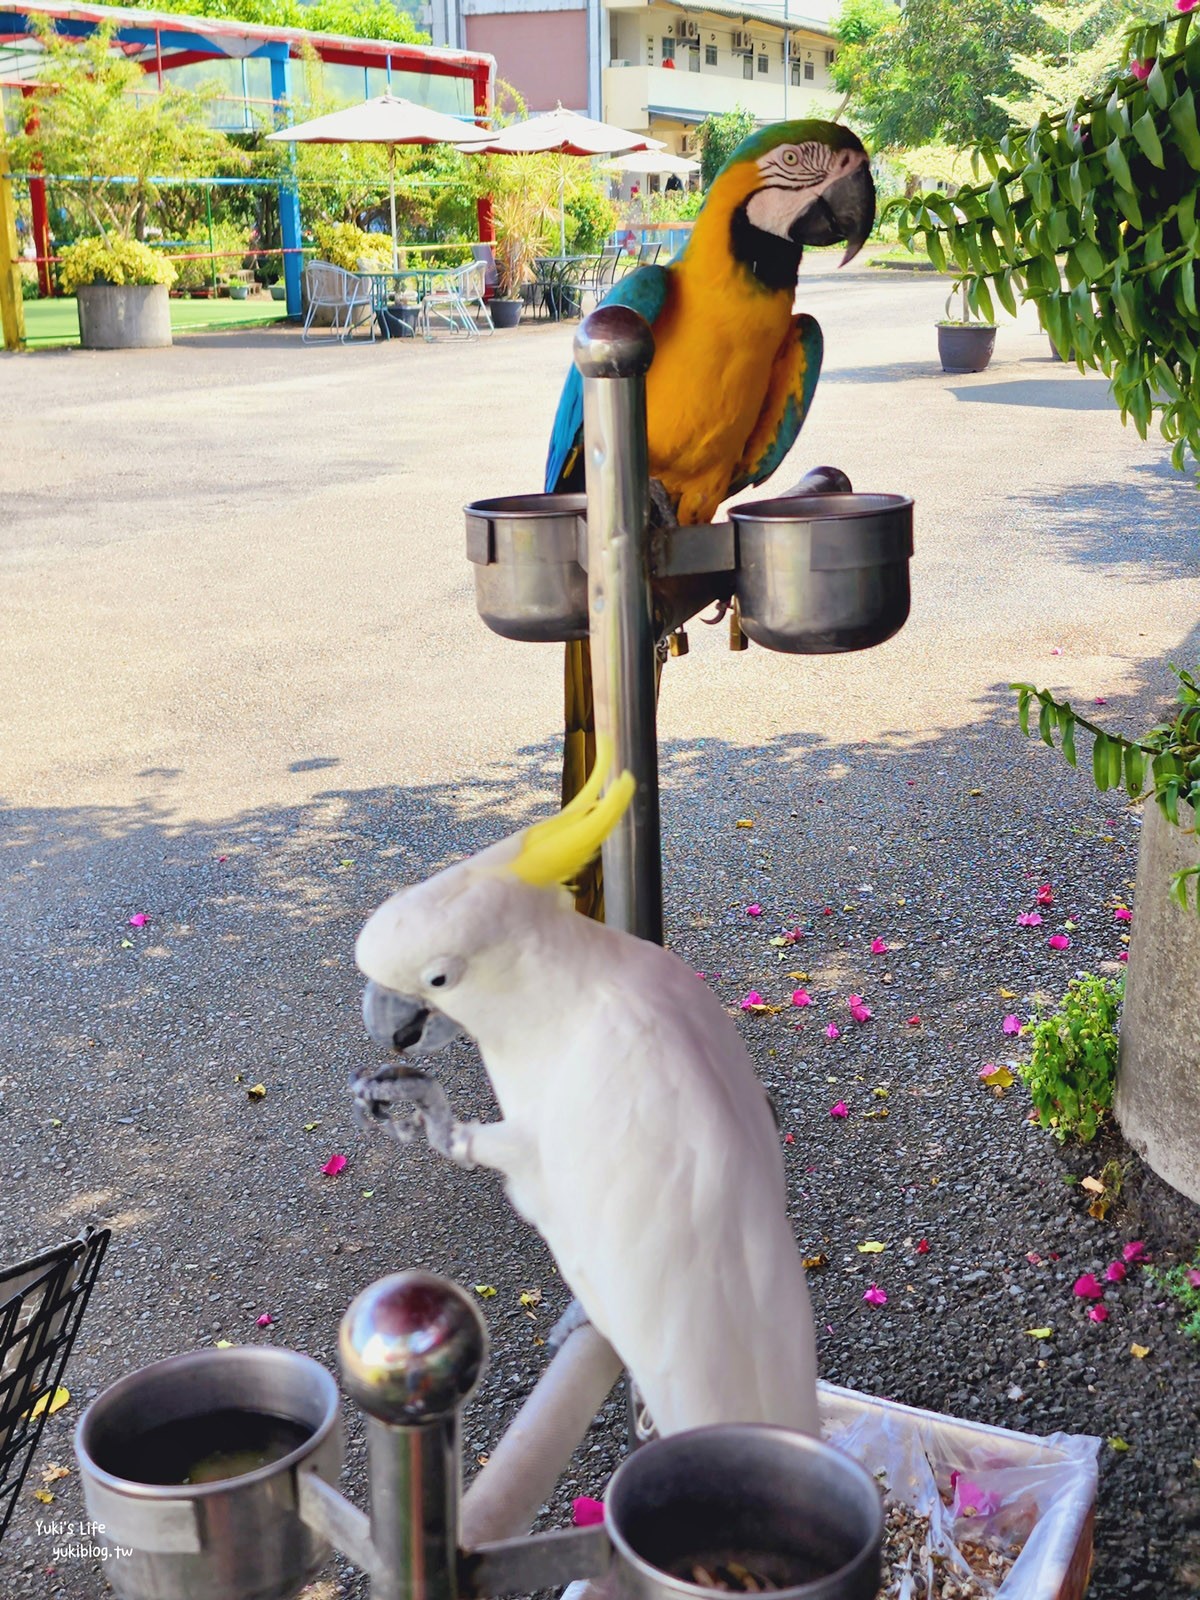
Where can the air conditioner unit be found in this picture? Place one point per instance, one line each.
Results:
(693, 30)
(744, 43)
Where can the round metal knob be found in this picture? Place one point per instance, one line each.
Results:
(614, 342)
(412, 1347)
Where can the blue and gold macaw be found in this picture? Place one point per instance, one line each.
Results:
(734, 369)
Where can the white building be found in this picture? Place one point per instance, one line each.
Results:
(654, 66)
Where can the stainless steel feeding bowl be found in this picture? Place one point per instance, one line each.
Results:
(240, 1425)
(528, 552)
(691, 1515)
(821, 574)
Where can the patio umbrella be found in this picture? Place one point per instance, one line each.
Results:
(643, 161)
(386, 120)
(563, 133)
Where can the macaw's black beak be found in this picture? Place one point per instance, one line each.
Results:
(845, 213)
(398, 1022)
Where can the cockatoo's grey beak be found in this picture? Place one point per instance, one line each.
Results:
(398, 1022)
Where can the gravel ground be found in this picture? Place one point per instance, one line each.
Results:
(240, 679)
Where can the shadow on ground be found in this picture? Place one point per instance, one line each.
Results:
(133, 1050)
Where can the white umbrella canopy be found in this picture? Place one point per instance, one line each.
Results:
(646, 161)
(564, 133)
(387, 120)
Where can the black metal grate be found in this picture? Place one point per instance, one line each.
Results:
(41, 1304)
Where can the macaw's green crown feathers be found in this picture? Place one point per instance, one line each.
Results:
(803, 131)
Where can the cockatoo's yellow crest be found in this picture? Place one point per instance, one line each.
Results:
(557, 850)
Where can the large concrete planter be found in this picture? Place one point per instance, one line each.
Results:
(127, 316)
(1158, 1080)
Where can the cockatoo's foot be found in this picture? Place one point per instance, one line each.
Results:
(662, 507)
(402, 1101)
(573, 1317)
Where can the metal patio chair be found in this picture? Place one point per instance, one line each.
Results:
(456, 298)
(42, 1302)
(347, 296)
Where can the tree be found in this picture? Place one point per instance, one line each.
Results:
(360, 19)
(719, 136)
(1094, 217)
(98, 119)
(1054, 79)
(856, 27)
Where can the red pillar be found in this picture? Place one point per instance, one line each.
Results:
(41, 216)
(482, 77)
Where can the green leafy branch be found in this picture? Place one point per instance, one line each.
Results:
(1093, 216)
(1164, 763)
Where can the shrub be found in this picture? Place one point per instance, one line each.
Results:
(591, 217)
(343, 245)
(1073, 1067)
(1182, 1283)
(230, 245)
(111, 260)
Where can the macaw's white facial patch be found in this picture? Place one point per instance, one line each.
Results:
(795, 176)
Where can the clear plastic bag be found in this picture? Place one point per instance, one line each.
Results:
(982, 1484)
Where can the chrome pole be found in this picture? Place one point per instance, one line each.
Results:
(613, 351)
(412, 1349)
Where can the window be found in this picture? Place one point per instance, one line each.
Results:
(762, 63)
(710, 55)
(830, 57)
(747, 66)
(809, 72)
(693, 56)
(796, 73)
(668, 50)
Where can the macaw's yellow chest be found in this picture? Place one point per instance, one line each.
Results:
(715, 342)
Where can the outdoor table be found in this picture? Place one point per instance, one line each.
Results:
(560, 284)
(386, 289)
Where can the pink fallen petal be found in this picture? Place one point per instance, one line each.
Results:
(587, 1513)
(833, 1031)
(970, 1500)
(1087, 1287)
(333, 1166)
(751, 1000)
(839, 1110)
(1056, 650)
(1099, 701)
(1116, 1272)
(266, 1320)
(875, 1296)
(1122, 955)
(922, 1247)
(1135, 1250)
(860, 1013)
(1033, 1258)
(1098, 1313)
(139, 919)
(1045, 895)
(1121, 914)
(1011, 1024)
(754, 911)
(1059, 941)
(789, 1138)
(1029, 919)
(801, 997)
(700, 975)
(880, 946)
(1193, 1277)
(914, 1022)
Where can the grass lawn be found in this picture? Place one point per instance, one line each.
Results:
(56, 322)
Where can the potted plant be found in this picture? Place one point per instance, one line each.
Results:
(519, 212)
(1158, 1076)
(121, 288)
(965, 343)
(90, 118)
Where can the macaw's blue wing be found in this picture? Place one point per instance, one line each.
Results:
(794, 374)
(644, 291)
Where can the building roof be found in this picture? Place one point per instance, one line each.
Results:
(772, 12)
(229, 37)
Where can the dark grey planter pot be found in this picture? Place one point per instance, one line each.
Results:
(506, 313)
(127, 316)
(965, 346)
(1158, 1079)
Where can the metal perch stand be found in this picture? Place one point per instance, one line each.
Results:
(818, 571)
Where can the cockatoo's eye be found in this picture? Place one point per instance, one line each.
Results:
(443, 973)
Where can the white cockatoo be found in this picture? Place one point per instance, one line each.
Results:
(635, 1135)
